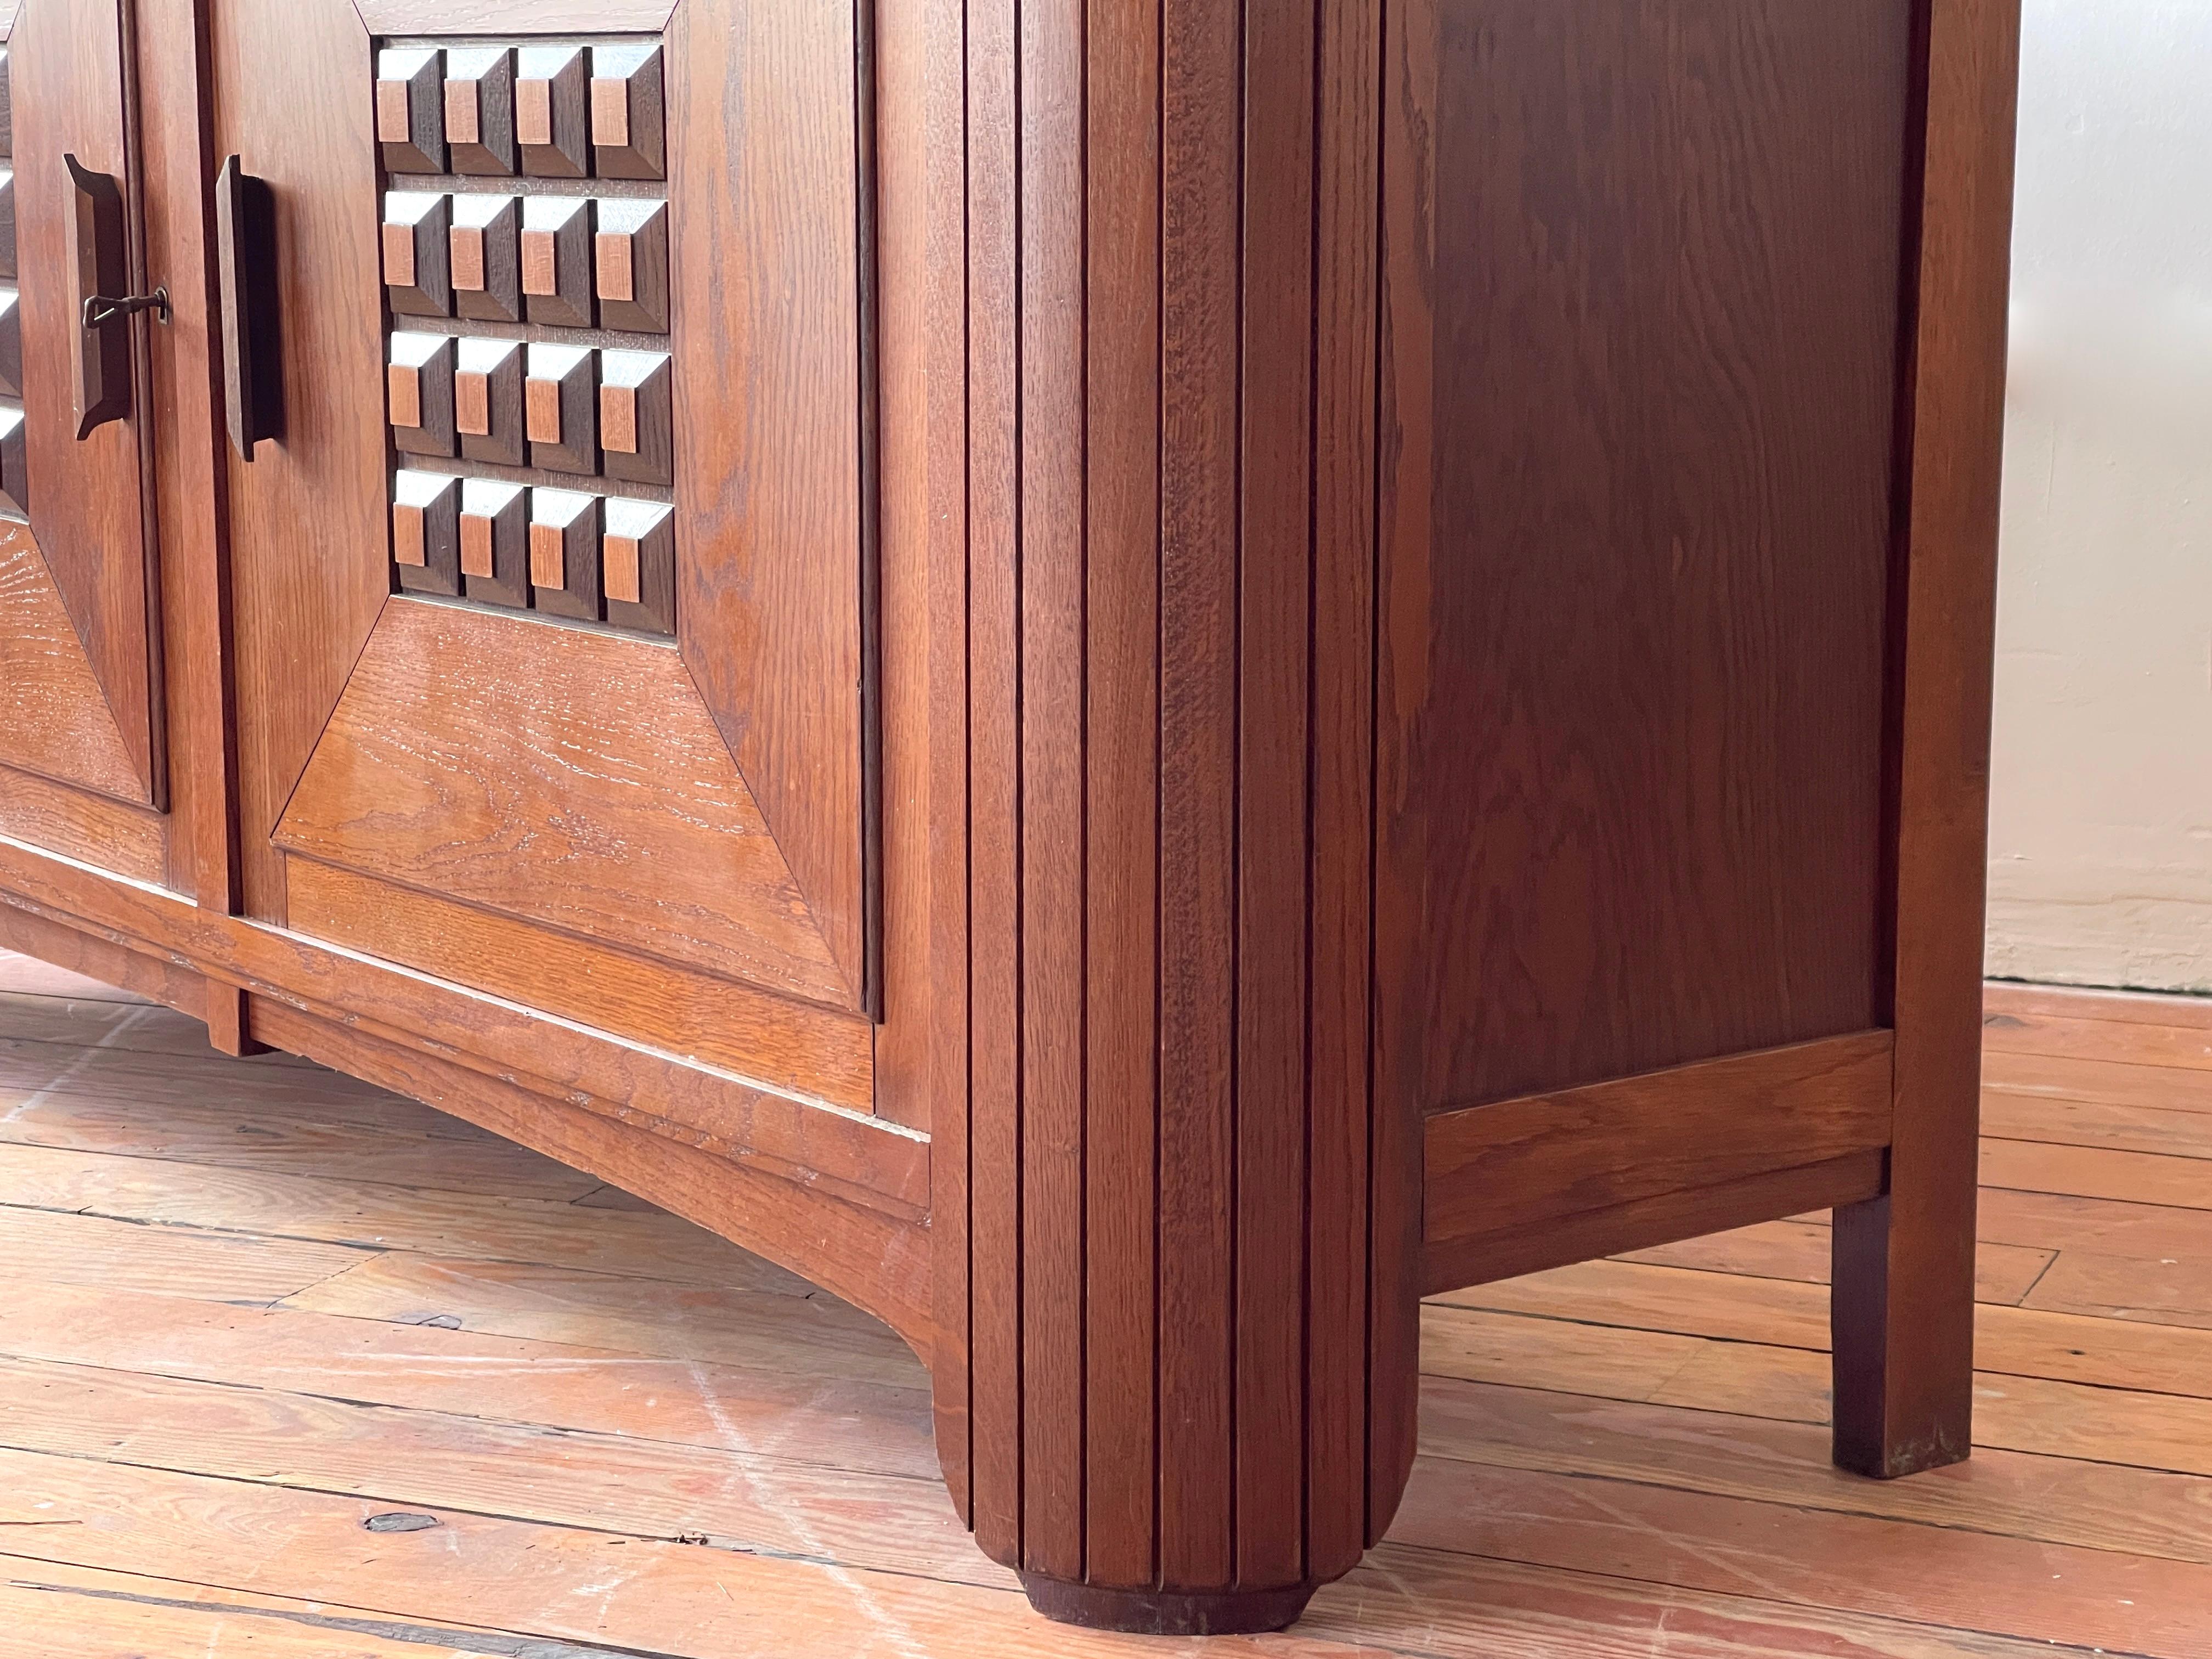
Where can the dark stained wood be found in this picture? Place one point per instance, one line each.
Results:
(1048, 647)
(1505, 1169)
(452, 718)
(629, 138)
(1274, 811)
(1201, 76)
(1642, 1223)
(1385, 706)
(991, 871)
(1359, 1432)
(1905, 1263)
(1636, 618)
(1123, 493)
(629, 265)
(1141, 673)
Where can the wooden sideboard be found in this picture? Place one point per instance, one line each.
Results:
(1130, 678)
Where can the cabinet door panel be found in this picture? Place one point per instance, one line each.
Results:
(628, 808)
(82, 767)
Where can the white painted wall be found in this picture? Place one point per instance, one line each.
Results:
(2101, 866)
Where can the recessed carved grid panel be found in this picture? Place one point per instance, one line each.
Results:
(14, 491)
(528, 363)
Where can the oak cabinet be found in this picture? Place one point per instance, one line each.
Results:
(1131, 682)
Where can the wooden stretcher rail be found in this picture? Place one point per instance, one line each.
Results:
(1674, 1151)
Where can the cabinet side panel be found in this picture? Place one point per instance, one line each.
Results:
(1637, 652)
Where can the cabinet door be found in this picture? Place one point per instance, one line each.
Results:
(548, 561)
(82, 767)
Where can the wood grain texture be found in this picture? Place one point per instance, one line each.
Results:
(789, 1046)
(1905, 1263)
(1358, 1157)
(1122, 501)
(1507, 1167)
(65, 72)
(1146, 884)
(433, 756)
(93, 829)
(762, 128)
(112, 964)
(54, 717)
(1640, 1224)
(595, 1073)
(1638, 589)
(876, 1262)
(299, 622)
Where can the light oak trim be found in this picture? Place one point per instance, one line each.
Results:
(516, 17)
(1489, 1171)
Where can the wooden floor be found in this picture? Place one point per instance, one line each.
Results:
(292, 1369)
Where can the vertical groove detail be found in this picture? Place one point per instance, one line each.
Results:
(1172, 349)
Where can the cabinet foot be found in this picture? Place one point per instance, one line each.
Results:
(1168, 1612)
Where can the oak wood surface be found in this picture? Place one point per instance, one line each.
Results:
(1144, 865)
(768, 411)
(789, 1046)
(1637, 579)
(457, 726)
(54, 717)
(598, 1074)
(94, 828)
(1905, 1266)
(66, 76)
(1506, 1167)
(303, 606)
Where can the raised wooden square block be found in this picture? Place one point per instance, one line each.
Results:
(419, 390)
(15, 485)
(417, 263)
(480, 110)
(426, 533)
(557, 260)
(637, 565)
(7, 224)
(560, 408)
(410, 109)
(496, 542)
(631, 265)
(564, 553)
(551, 129)
(487, 377)
(11, 342)
(486, 244)
(637, 435)
(629, 129)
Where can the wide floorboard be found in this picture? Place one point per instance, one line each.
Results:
(293, 1369)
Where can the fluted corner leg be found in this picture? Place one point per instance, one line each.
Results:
(1176, 1385)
